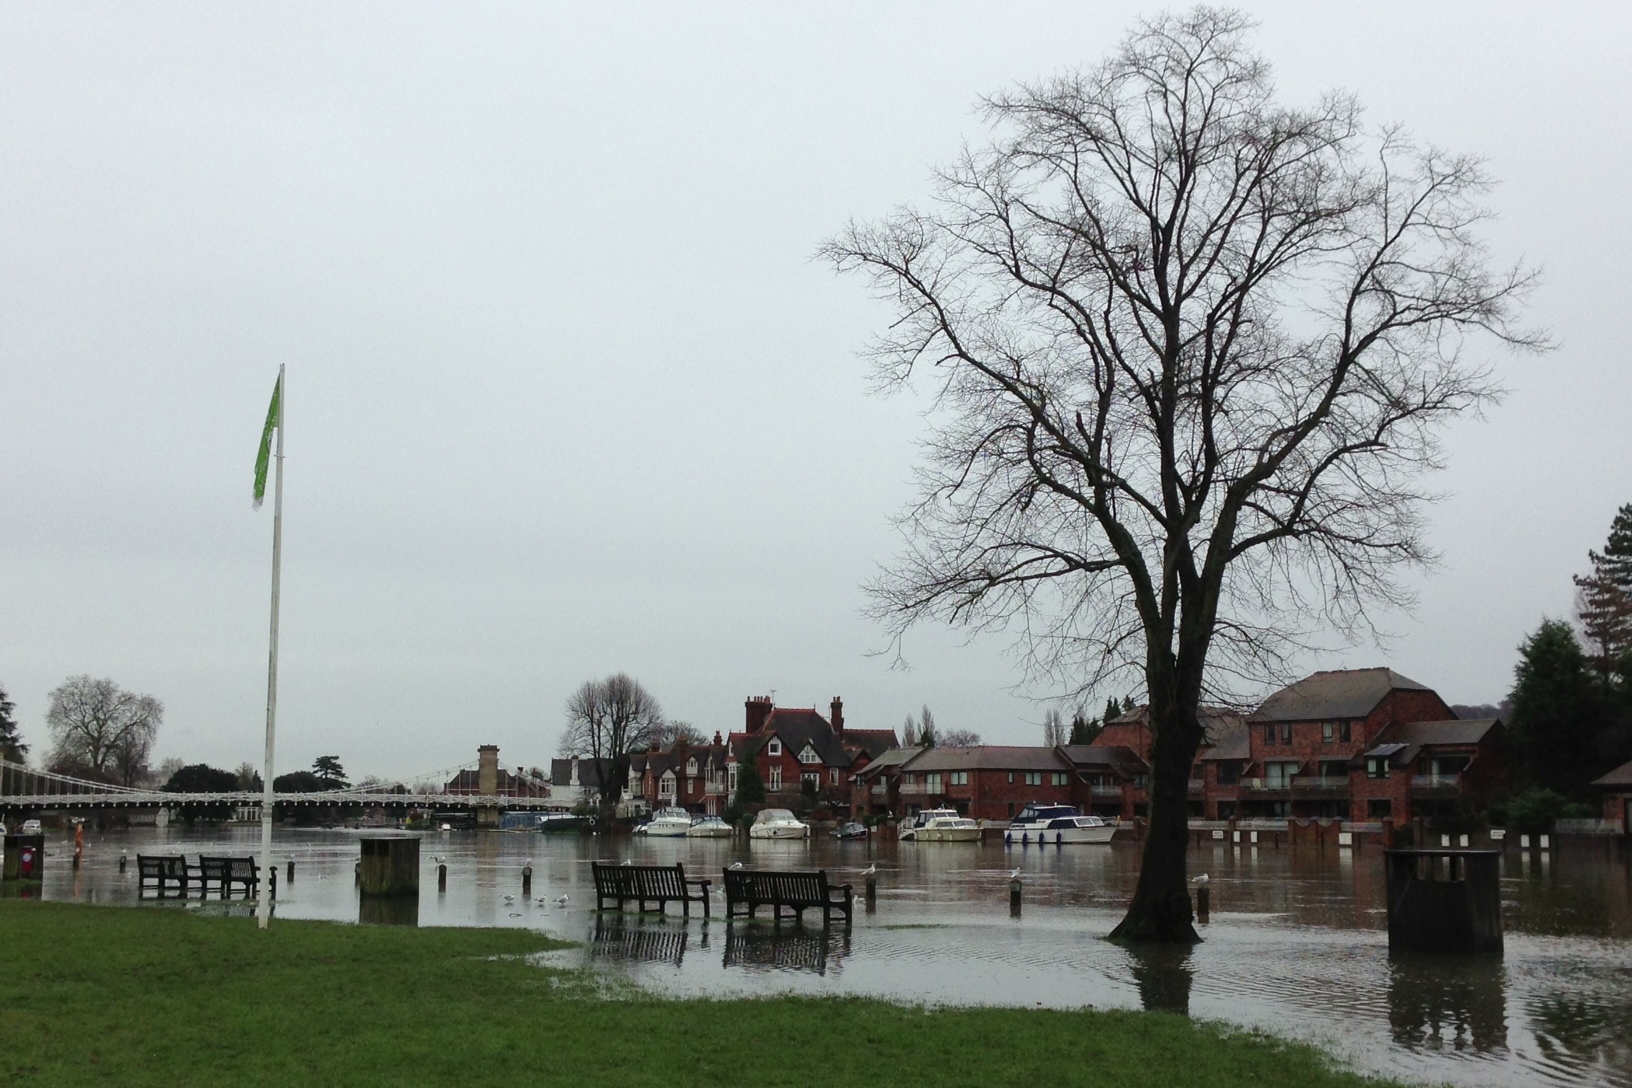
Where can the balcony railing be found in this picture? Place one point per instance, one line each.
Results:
(1113, 792)
(1266, 784)
(880, 790)
(1320, 782)
(714, 789)
(1196, 785)
(912, 789)
(1435, 781)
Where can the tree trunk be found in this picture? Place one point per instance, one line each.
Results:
(1160, 911)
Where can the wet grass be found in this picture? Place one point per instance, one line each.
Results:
(98, 995)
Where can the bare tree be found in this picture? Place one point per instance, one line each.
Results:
(1191, 349)
(607, 720)
(958, 738)
(1053, 729)
(668, 734)
(909, 732)
(101, 731)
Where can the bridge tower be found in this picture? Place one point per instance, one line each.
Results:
(487, 784)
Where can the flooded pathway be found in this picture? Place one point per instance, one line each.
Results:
(1296, 944)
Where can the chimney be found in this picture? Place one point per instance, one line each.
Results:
(838, 716)
(717, 740)
(758, 709)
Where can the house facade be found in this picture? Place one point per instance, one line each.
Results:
(1616, 789)
(801, 756)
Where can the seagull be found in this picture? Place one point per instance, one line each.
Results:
(1015, 875)
(513, 914)
(736, 865)
(870, 870)
(628, 861)
(1202, 879)
(509, 899)
(561, 902)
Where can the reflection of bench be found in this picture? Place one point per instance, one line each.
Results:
(796, 890)
(162, 871)
(623, 938)
(797, 949)
(645, 884)
(226, 872)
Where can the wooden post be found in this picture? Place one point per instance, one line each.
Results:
(870, 891)
(271, 889)
(526, 880)
(1014, 897)
(289, 871)
(122, 860)
(442, 877)
(389, 865)
(1204, 896)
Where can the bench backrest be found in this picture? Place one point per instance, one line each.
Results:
(161, 865)
(640, 881)
(786, 885)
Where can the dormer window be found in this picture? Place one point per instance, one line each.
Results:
(691, 768)
(774, 748)
(809, 755)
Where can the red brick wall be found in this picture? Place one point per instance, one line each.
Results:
(1135, 735)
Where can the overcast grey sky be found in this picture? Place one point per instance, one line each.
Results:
(567, 393)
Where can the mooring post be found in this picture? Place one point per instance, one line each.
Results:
(526, 880)
(289, 872)
(271, 887)
(870, 891)
(1204, 896)
(122, 860)
(442, 876)
(1014, 897)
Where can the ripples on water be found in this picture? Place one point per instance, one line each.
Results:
(1297, 944)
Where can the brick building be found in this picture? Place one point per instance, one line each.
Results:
(797, 752)
(1616, 787)
(987, 782)
(686, 775)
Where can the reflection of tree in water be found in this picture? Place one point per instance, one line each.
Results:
(620, 939)
(797, 949)
(1435, 1002)
(1577, 1033)
(1163, 974)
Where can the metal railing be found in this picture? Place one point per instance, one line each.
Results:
(1435, 781)
(1320, 782)
(1266, 784)
(914, 789)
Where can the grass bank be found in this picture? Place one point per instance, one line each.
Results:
(111, 996)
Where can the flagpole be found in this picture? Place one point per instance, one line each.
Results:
(263, 907)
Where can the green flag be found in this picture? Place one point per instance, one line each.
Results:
(264, 458)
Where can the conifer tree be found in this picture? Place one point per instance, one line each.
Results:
(12, 747)
(1604, 597)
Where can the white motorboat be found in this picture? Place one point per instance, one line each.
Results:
(778, 823)
(710, 827)
(939, 825)
(667, 823)
(1056, 825)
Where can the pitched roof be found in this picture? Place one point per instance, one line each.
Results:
(1119, 759)
(988, 757)
(1401, 741)
(875, 742)
(1338, 693)
(1217, 722)
(795, 728)
(1620, 776)
(895, 757)
(1229, 741)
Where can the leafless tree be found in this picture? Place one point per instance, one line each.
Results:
(101, 731)
(958, 738)
(607, 721)
(909, 732)
(1191, 350)
(668, 733)
(1053, 729)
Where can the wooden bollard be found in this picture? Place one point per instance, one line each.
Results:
(1204, 897)
(1014, 897)
(271, 886)
(526, 880)
(442, 877)
(357, 872)
(122, 860)
(289, 871)
(870, 891)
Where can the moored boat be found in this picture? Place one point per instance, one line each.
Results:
(1056, 825)
(939, 825)
(778, 823)
(709, 827)
(667, 823)
(850, 829)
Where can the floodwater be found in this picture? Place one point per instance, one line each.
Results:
(1296, 944)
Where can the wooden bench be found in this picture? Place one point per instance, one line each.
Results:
(746, 890)
(162, 871)
(226, 872)
(645, 884)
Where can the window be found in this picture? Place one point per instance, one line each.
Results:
(774, 748)
(1277, 776)
(808, 755)
(1058, 778)
(1379, 810)
(1011, 782)
(1286, 732)
(776, 776)
(833, 776)
(934, 782)
(1229, 774)
(665, 786)
(731, 778)
(1343, 732)
(1034, 778)
(1377, 767)
(811, 778)
(691, 768)
(1328, 732)
(960, 778)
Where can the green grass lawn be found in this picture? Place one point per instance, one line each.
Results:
(120, 996)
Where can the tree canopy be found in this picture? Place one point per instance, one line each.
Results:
(11, 740)
(100, 731)
(201, 778)
(607, 721)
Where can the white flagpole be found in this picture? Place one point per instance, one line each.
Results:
(263, 906)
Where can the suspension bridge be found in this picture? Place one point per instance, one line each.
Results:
(29, 791)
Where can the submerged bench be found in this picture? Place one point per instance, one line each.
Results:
(162, 871)
(645, 884)
(227, 872)
(746, 890)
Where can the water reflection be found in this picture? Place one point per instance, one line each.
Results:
(1164, 976)
(1438, 1002)
(796, 949)
(617, 937)
(388, 910)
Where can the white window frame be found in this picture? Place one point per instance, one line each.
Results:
(731, 778)
(691, 768)
(776, 778)
(774, 746)
(808, 755)
(932, 782)
(665, 785)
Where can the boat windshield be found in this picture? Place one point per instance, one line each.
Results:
(1038, 813)
(774, 815)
